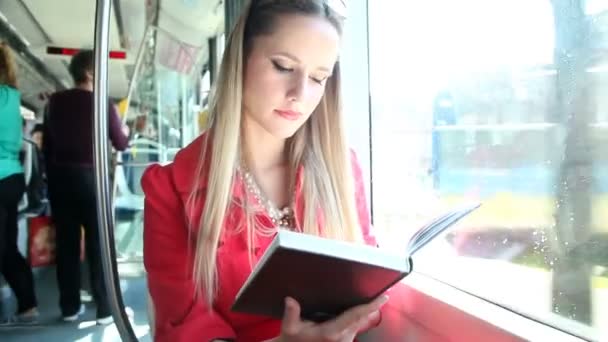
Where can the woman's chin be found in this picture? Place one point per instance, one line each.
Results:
(285, 132)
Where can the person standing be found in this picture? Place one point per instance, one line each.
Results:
(13, 266)
(68, 153)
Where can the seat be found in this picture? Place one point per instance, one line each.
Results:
(129, 197)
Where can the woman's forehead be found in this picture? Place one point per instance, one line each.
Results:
(306, 39)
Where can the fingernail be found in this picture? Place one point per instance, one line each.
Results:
(384, 299)
(288, 302)
(374, 315)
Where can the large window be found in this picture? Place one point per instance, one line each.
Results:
(502, 102)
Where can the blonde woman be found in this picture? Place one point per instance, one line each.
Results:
(13, 266)
(274, 157)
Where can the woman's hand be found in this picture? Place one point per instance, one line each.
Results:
(343, 328)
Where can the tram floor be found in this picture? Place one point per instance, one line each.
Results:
(51, 328)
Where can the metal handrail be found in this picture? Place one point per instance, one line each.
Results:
(150, 29)
(100, 144)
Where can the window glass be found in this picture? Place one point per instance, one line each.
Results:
(502, 102)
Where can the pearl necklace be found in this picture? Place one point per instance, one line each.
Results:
(281, 218)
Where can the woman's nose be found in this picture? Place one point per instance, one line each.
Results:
(299, 88)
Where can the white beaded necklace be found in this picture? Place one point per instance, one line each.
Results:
(281, 218)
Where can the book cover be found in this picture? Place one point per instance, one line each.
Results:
(327, 276)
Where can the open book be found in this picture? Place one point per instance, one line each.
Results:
(327, 276)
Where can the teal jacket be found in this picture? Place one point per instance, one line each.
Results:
(11, 133)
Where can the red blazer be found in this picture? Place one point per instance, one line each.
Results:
(169, 251)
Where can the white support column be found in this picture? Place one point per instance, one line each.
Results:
(355, 86)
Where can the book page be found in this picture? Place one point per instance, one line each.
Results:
(428, 232)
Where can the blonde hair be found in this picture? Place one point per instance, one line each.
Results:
(319, 146)
(8, 69)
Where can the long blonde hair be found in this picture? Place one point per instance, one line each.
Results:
(319, 146)
(8, 72)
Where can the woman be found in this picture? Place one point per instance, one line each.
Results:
(274, 156)
(13, 266)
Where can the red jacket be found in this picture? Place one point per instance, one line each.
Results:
(169, 251)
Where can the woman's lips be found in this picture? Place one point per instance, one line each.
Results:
(288, 114)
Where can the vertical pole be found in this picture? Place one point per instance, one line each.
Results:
(102, 176)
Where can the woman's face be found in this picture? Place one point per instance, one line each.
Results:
(286, 72)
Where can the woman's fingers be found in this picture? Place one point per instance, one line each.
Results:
(373, 322)
(342, 328)
(291, 317)
(358, 316)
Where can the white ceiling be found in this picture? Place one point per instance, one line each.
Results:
(70, 24)
(193, 21)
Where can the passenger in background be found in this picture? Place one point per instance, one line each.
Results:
(36, 189)
(37, 135)
(142, 129)
(274, 157)
(13, 266)
(68, 151)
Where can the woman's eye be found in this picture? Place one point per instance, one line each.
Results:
(320, 80)
(281, 68)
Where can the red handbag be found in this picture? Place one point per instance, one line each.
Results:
(41, 242)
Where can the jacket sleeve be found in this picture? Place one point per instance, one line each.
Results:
(361, 202)
(364, 218)
(168, 258)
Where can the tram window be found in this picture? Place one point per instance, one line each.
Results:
(502, 102)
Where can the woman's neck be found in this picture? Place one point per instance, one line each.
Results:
(266, 160)
(85, 86)
(261, 150)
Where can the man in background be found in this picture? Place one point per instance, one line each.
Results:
(68, 152)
